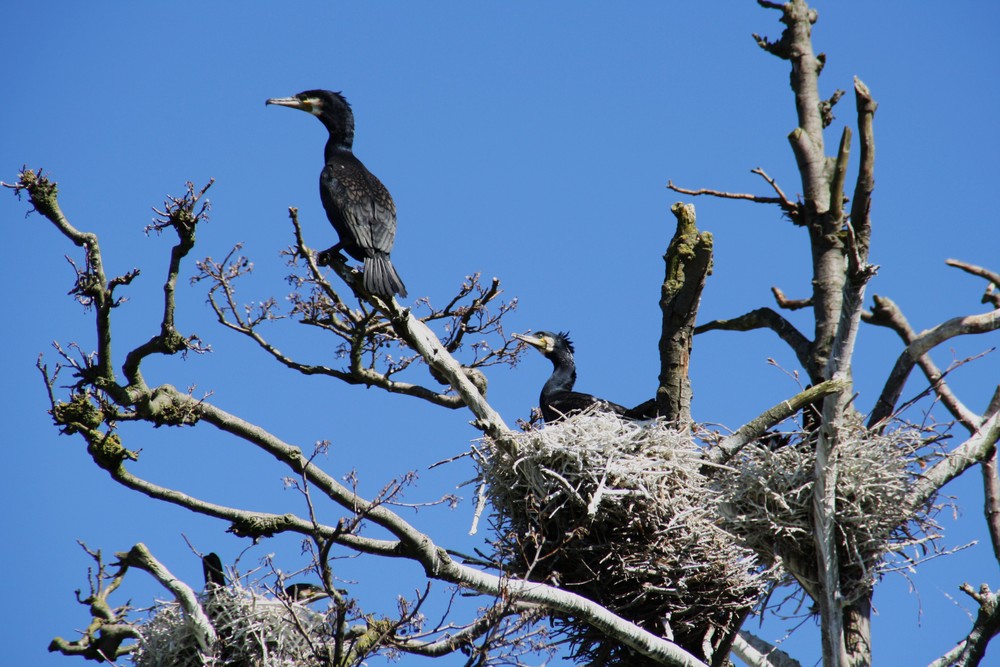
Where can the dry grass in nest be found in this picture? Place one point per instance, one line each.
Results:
(620, 513)
(768, 501)
(253, 630)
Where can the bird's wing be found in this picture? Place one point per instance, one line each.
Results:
(367, 209)
(568, 402)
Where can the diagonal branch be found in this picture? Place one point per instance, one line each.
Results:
(765, 318)
(887, 314)
(758, 653)
(786, 204)
(921, 345)
(417, 546)
(978, 447)
(971, 650)
(729, 446)
(992, 293)
(92, 284)
(140, 557)
(789, 304)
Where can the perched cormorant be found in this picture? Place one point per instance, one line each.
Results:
(211, 564)
(358, 205)
(305, 593)
(558, 398)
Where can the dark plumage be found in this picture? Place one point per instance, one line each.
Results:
(358, 205)
(558, 398)
(305, 593)
(212, 566)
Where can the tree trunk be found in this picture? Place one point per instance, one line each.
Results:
(688, 264)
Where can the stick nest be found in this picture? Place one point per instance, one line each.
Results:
(620, 512)
(768, 501)
(253, 630)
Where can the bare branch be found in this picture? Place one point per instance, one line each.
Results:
(991, 501)
(971, 650)
(839, 176)
(992, 293)
(101, 640)
(787, 205)
(975, 449)
(365, 332)
(179, 214)
(729, 446)
(765, 318)
(91, 283)
(865, 184)
(758, 653)
(921, 345)
(887, 314)
(991, 276)
(726, 195)
(789, 304)
(140, 557)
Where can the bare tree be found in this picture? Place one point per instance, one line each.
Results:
(583, 511)
(839, 239)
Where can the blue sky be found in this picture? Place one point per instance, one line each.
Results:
(528, 141)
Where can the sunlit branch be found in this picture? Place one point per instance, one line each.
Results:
(865, 184)
(758, 653)
(765, 318)
(180, 215)
(109, 628)
(886, 313)
(729, 446)
(789, 304)
(91, 284)
(991, 500)
(974, 450)
(140, 557)
(921, 345)
(970, 651)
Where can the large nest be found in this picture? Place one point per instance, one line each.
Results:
(620, 513)
(767, 500)
(254, 630)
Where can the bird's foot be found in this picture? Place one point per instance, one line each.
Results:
(330, 256)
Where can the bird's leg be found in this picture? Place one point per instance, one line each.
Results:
(330, 255)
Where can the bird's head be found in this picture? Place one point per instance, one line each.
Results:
(547, 342)
(331, 108)
(305, 593)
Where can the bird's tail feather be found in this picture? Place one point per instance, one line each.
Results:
(381, 278)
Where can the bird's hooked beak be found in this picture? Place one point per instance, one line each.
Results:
(307, 105)
(544, 344)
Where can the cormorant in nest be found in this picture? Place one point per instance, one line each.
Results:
(358, 205)
(214, 575)
(558, 399)
(305, 593)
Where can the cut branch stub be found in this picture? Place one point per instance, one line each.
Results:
(688, 264)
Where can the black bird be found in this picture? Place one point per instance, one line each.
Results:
(358, 205)
(305, 593)
(558, 398)
(212, 566)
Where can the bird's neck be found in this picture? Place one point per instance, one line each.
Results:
(563, 375)
(336, 146)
